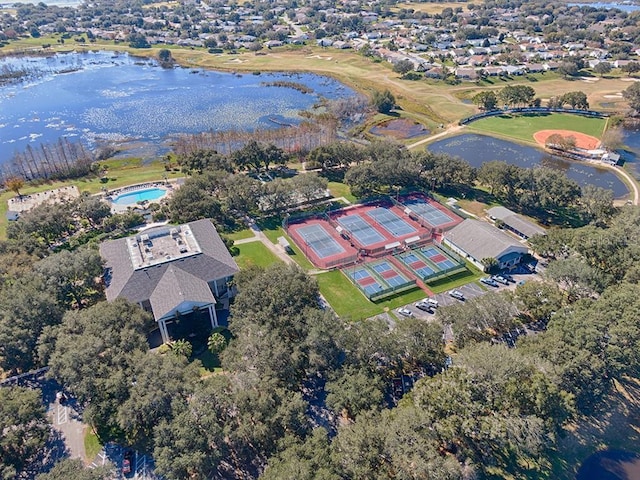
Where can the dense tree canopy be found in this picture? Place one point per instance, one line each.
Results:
(24, 430)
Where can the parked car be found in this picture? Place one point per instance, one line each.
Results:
(489, 281)
(508, 277)
(433, 302)
(457, 294)
(405, 312)
(424, 306)
(501, 279)
(126, 462)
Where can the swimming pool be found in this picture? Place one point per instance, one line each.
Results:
(140, 196)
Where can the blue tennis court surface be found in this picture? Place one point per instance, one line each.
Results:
(320, 241)
(439, 258)
(365, 281)
(428, 212)
(363, 232)
(391, 222)
(382, 267)
(373, 278)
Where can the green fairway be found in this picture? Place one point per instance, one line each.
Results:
(349, 302)
(522, 127)
(255, 253)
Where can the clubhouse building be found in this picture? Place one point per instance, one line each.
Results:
(171, 271)
(476, 240)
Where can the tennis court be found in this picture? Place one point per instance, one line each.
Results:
(391, 222)
(365, 280)
(320, 241)
(418, 265)
(438, 257)
(389, 273)
(428, 212)
(362, 231)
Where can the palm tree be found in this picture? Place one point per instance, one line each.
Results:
(216, 343)
(181, 348)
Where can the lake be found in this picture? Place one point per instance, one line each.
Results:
(103, 97)
(478, 149)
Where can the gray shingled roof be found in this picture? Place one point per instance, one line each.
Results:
(482, 240)
(175, 287)
(213, 263)
(516, 222)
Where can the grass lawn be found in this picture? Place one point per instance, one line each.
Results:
(240, 235)
(92, 445)
(210, 363)
(255, 253)
(349, 302)
(274, 232)
(338, 189)
(522, 127)
(472, 274)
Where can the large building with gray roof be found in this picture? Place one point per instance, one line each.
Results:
(170, 271)
(515, 223)
(476, 240)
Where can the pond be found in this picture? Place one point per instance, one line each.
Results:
(610, 465)
(103, 97)
(478, 149)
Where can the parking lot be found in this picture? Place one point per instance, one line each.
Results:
(469, 291)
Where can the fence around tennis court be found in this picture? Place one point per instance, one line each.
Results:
(326, 263)
(410, 284)
(438, 274)
(418, 218)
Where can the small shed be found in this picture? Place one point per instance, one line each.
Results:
(284, 243)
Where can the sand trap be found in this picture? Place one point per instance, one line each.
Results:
(617, 95)
(236, 60)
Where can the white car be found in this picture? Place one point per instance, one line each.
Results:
(433, 302)
(457, 294)
(405, 312)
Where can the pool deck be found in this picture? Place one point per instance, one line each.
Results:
(169, 186)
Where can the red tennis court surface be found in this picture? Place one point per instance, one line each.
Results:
(366, 281)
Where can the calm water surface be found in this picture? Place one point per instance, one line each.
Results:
(106, 97)
(478, 149)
